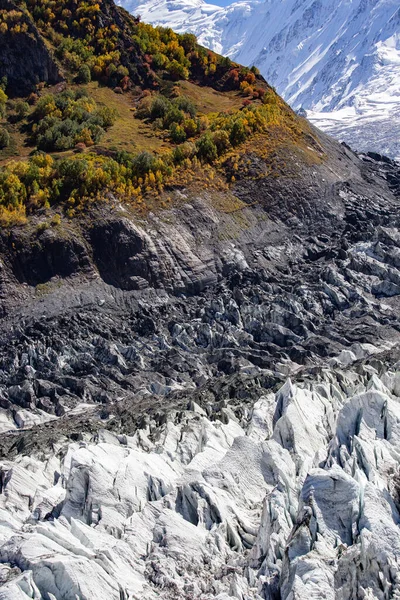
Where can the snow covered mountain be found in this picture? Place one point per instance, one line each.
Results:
(339, 60)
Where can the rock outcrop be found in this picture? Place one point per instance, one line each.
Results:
(25, 60)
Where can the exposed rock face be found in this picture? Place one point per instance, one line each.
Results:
(205, 403)
(24, 58)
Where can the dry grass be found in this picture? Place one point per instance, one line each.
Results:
(19, 147)
(209, 100)
(127, 133)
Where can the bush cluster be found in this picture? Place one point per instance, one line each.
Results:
(92, 47)
(60, 121)
(12, 21)
(43, 181)
(178, 116)
(164, 50)
(242, 124)
(216, 133)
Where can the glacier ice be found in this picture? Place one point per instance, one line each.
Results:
(296, 497)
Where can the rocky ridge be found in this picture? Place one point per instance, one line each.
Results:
(204, 403)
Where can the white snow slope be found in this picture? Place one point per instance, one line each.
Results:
(338, 59)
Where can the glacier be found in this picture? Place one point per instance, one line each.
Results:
(339, 60)
(296, 487)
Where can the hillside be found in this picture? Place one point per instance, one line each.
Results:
(138, 110)
(199, 302)
(338, 60)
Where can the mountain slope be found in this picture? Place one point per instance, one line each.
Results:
(199, 350)
(338, 60)
(136, 111)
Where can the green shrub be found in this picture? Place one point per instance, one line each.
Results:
(4, 138)
(61, 121)
(178, 155)
(177, 70)
(122, 72)
(168, 115)
(191, 127)
(104, 116)
(112, 71)
(186, 105)
(270, 98)
(221, 140)
(160, 61)
(206, 149)
(188, 41)
(174, 115)
(144, 108)
(238, 133)
(225, 63)
(159, 107)
(84, 74)
(177, 133)
(143, 163)
(184, 151)
(22, 109)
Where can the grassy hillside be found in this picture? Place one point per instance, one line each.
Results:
(137, 112)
